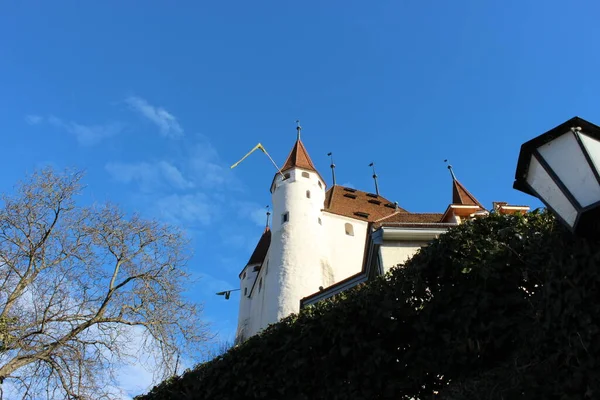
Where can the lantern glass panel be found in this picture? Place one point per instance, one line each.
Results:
(566, 158)
(593, 148)
(539, 179)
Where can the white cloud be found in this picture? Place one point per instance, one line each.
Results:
(164, 120)
(149, 175)
(86, 135)
(33, 119)
(252, 211)
(206, 168)
(186, 210)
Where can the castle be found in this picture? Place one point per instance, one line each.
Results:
(324, 241)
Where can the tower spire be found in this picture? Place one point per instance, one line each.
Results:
(332, 167)
(451, 170)
(460, 194)
(375, 178)
(298, 128)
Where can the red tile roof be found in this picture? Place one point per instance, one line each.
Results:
(357, 204)
(299, 158)
(461, 196)
(412, 219)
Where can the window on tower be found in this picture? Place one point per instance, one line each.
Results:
(286, 176)
(305, 175)
(349, 230)
(319, 182)
(245, 291)
(260, 285)
(320, 223)
(308, 194)
(285, 217)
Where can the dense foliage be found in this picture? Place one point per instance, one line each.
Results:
(504, 307)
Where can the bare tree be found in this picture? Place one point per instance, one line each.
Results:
(81, 286)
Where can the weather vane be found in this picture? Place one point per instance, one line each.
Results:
(298, 128)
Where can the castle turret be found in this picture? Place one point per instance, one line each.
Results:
(297, 255)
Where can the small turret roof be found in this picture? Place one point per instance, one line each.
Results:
(461, 196)
(260, 251)
(298, 158)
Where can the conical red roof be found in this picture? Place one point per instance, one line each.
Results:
(299, 158)
(461, 196)
(260, 252)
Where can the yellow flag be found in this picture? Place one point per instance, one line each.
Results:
(261, 148)
(258, 146)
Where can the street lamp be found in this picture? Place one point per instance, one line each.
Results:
(561, 168)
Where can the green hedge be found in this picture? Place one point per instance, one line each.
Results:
(504, 307)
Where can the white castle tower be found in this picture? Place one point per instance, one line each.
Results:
(290, 262)
(322, 243)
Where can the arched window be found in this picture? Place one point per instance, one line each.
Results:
(349, 230)
(308, 194)
(306, 175)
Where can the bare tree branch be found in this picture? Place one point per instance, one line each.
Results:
(77, 283)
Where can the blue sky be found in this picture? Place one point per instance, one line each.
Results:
(156, 99)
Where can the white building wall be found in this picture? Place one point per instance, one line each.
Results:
(297, 258)
(394, 253)
(346, 252)
(245, 314)
(258, 302)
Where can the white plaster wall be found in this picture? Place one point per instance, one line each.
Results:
(257, 309)
(394, 253)
(245, 310)
(297, 253)
(346, 252)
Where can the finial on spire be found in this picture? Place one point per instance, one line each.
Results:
(451, 170)
(330, 154)
(268, 215)
(298, 128)
(375, 178)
